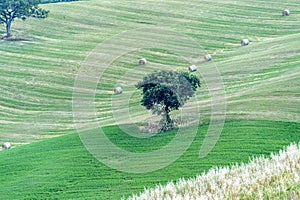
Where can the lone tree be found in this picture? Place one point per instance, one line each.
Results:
(165, 91)
(12, 9)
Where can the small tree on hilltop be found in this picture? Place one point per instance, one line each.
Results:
(12, 9)
(166, 91)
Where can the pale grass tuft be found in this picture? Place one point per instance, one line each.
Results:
(277, 177)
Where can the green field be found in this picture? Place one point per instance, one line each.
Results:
(39, 69)
(61, 168)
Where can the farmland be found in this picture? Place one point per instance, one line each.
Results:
(39, 69)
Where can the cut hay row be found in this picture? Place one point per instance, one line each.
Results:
(250, 80)
(277, 177)
(38, 74)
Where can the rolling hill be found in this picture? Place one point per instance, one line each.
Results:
(39, 70)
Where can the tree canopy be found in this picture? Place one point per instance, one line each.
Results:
(22, 9)
(165, 91)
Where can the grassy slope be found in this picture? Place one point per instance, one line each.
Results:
(60, 168)
(275, 177)
(37, 76)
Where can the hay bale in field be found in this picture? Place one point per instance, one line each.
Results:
(208, 57)
(118, 90)
(244, 42)
(6, 145)
(286, 12)
(143, 61)
(192, 68)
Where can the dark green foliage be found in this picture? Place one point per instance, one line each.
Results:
(165, 91)
(22, 9)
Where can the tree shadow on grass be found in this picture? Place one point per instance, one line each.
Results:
(13, 38)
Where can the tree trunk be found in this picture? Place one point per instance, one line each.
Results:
(169, 123)
(168, 118)
(8, 27)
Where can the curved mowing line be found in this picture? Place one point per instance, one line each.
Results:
(94, 68)
(217, 25)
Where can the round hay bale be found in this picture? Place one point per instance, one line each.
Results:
(143, 61)
(192, 68)
(245, 42)
(286, 12)
(118, 90)
(6, 145)
(208, 57)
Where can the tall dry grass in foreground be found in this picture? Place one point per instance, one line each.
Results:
(277, 177)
